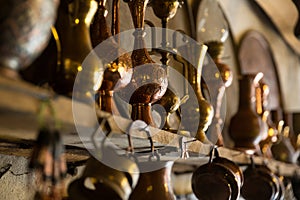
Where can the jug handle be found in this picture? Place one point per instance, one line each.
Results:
(58, 44)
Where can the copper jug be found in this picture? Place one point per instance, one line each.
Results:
(166, 10)
(283, 150)
(154, 181)
(74, 45)
(245, 125)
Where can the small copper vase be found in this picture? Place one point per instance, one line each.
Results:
(245, 125)
(154, 181)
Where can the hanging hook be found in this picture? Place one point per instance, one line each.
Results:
(139, 125)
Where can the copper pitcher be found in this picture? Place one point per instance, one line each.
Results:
(218, 79)
(245, 125)
(166, 10)
(283, 150)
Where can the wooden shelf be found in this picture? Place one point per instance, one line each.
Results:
(18, 109)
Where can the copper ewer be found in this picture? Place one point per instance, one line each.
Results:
(170, 101)
(218, 79)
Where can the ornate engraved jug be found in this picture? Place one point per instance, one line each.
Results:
(118, 72)
(149, 80)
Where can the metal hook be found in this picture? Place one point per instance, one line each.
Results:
(104, 129)
(142, 126)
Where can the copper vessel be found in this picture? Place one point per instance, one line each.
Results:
(198, 111)
(154, 181)
(245, 125)
(219, 81)
(25, 31)
(269, 131)
(74, 46)
(166, 10)
(117, 73)
(149, 80)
